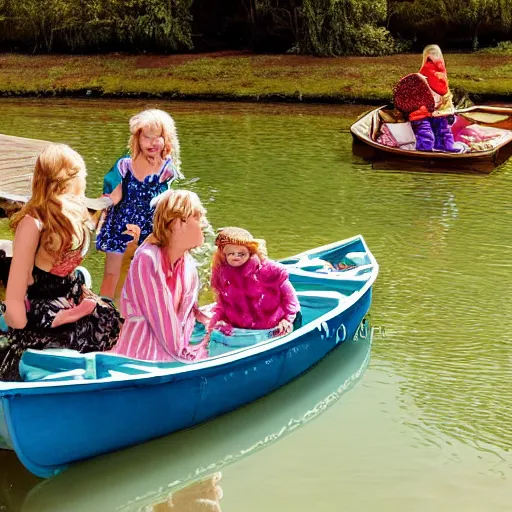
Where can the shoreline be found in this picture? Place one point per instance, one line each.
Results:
(242, 77)
(481, 99)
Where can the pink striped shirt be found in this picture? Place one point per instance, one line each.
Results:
(156, 329)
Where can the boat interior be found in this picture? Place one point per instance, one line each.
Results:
(475, 130)
(62, 364)
(342, 268)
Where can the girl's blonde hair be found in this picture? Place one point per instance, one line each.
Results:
(172, 205)
(237, 236)
(157, 121)
(58, 188)
(432, 50)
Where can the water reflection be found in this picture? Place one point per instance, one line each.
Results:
(15, 482)
(203, 495)
(146, 475)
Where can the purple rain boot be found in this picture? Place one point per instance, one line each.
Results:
(424, 135)
(443, 135)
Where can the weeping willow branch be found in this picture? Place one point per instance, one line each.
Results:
(96, 24)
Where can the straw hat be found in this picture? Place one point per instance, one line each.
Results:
(239, 236)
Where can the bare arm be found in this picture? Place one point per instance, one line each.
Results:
(201, 316)
(117, 194)
(25, 245)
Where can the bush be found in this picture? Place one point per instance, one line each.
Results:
(331, 27)
(44, 25)
(465, 23)
(502, 48)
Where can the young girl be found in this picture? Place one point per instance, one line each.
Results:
(47, 304)
(159, 298)
(153, 165)
(252, 291)
(426, 99)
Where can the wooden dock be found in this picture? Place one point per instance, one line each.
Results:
(17, 159)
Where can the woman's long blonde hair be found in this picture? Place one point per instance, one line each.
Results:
(158, 121)
(172, 205)
(58, 188)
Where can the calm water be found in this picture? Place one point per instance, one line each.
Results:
(427, 425)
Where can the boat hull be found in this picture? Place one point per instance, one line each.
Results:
(50, 429)
(141, 476)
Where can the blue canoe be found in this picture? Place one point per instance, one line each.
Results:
(78, 406)
(140, 477)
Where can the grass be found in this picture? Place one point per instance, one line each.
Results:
(242, 76)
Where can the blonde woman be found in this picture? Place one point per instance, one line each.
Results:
(159, 298)
(47, 304)
(154, 163)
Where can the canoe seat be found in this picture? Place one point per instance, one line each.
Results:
(64, 364)
(351, 265)
(241, 338)
(356, 258)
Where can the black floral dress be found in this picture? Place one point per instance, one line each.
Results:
(46, 297)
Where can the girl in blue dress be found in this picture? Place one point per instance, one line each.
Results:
(153, 165)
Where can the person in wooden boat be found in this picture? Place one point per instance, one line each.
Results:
(252, 291)
(159, 300)
(426, 100)
(135, 181)
(46, 303)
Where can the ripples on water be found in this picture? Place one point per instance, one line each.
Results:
(438, 390)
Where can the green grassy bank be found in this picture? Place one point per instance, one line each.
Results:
(239, 76)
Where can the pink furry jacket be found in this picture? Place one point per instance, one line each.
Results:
(257, 295)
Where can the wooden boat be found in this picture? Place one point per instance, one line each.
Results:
(144, 475)
(73, 406)
(366, 129)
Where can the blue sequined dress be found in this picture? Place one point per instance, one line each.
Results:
(134, 207)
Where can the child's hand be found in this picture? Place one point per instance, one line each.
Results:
(203, 315)
(202, 318)
(283, 327)
(224, 328)
(132, 233)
